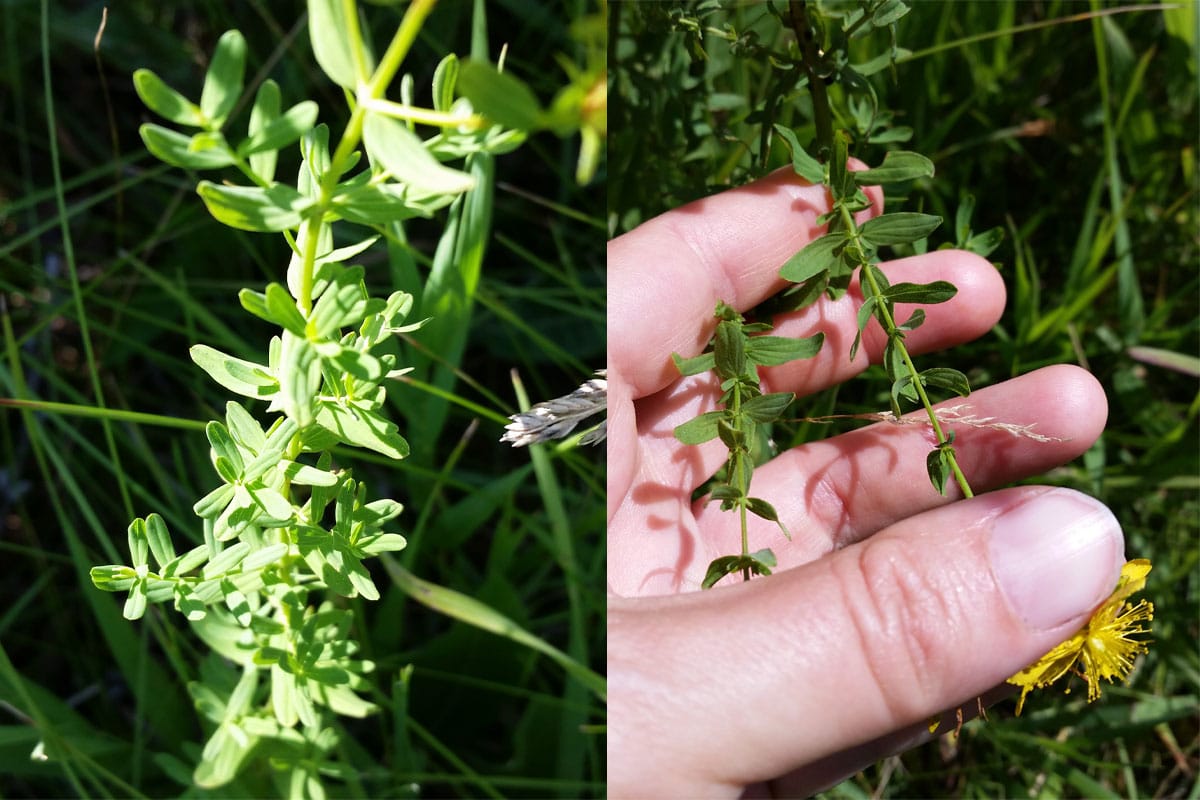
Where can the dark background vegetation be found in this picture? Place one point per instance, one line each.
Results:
(1100, 260)
(157, 274)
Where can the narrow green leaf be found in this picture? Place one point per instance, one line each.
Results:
(224, 81)
(392, 145)
(135, 604)
(900, 227)
(915, 321)
(263, 113)
(306, 475)
(445, 76)
(888, 12)
(761, 508)
(329, 31)
(771, 351)
(897, 166)
(946, 378)
(176, 149)
(694, 366)
(165, 101)
(226, 560)
(253, 208)
(139, 546)
(241, 377)
(699, 430)
(284, 310)
(841, 185)
(113, 578)
(499, 96)
(729, 350)
(719, 568)
(224, 447)
(938, 466)
(356, 424)
(805, 165)
(982, 244)
(936, 292)
(281, 131)
(212, 504)
(814, 258)
(344, 303)
(160, 540)
(767, 407)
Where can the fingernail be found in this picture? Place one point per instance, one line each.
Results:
(1056, 556)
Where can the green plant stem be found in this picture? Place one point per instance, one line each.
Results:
(738, 471)
(891, 329)
(374, 89)
(822, 116)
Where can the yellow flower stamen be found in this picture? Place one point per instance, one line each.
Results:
(1104, 647)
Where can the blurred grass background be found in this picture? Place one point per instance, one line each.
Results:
(478, 715)
(1076, 133)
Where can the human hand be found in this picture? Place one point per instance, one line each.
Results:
(891, 603)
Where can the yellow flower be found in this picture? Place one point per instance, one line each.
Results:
(1103, 648)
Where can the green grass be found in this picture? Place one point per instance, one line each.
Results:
(110, 268)
(1077, 137)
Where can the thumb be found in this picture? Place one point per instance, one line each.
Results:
(714, 691)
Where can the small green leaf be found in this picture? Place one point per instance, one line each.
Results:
(936, 292)
(898, 166)
(357, 424)
(914, 322)
(982, 244)
(444, 78)
(224, 447)
(694, 366)
(165, 101)
(224, 80)
(284, 310)
(329, 31)
(176, 149)
(212, 504)
(281, 131)
(139, 546)
(900, 227)
(733, 438)
(767, 407)
(241, 377)
(392, 145)
(903, 387)
(262, 114)
(699, 430)
(135, 604)
(841, 185)
(113, 578)
(729, 350)
(719, 568)
(344, 303)
(937, 464)
(805, 165)
(226, 560)
(888, 12)
(383, 203)
(499, 96)
(771, 351)
(306, 475)
(253, 208)
(159, 540)
(814, 258)
(946, 378)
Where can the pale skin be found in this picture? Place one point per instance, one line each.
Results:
(885, 608)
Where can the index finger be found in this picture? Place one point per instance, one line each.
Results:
(666, 276)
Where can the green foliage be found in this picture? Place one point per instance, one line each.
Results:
(1030, 139)
(277, 568)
